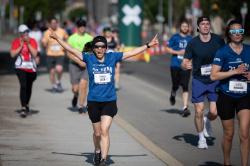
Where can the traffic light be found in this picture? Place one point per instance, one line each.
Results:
(16, 13)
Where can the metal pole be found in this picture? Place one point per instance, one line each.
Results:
(170, 12)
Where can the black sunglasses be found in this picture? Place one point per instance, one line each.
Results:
(97, 46)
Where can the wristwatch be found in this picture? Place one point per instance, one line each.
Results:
(147, 44)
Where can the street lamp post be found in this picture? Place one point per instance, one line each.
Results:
(243, 11)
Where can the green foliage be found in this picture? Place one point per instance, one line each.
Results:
(77, 13)
(48, 8)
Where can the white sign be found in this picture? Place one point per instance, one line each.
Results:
(131, 15)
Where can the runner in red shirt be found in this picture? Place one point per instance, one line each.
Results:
(24, 49)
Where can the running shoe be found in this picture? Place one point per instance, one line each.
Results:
(59, 87)
(81, 110)
(23, 113)
(97, 159)
(186, 112)
(53, 90)
(172, 99)
(207, 127)
(103, 162)
(202, 144)
(74, 101)
(29, 112)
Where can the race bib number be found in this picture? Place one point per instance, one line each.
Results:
(238, 86)
(102, 77)
(180, 56)
(206, 70)
(55, 47)
(27, 65)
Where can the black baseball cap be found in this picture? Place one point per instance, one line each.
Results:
(200, 19)
(99, 39)
(80, 23)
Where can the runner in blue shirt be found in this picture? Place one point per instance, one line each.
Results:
(231, 67)
(101, 100)
(176, 46)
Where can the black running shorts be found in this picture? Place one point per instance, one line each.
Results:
(180, 77)
(97, 109)
(227, 106)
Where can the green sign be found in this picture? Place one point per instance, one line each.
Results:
(130, 22)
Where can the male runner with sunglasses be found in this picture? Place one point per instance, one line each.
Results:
(199, 56)
(77, 69)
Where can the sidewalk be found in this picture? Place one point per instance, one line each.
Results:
(55, 134)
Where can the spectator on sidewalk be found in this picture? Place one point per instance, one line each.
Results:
(24, 49)
(55, 55)
(77, 69)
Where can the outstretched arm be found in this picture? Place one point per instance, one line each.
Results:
(138, 50)
(65, 45)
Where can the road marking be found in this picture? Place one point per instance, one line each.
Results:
(144, 141)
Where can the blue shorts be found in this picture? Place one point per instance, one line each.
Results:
(199, 90)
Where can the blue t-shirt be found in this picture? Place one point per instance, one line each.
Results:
(177, 42)
(229, 60)
(203, 54)
(101, 76)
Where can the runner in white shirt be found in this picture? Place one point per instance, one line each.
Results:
(37, 35)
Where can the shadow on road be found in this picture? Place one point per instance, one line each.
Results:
(33, 112)
(90, 156)
(193, 139)
(173, 111)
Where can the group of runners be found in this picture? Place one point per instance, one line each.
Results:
(220, 72)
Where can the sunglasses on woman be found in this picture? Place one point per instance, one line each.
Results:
(27, 31)
(97, 46)
(240, 31)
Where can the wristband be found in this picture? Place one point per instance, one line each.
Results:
(147, 45)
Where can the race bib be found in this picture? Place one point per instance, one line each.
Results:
(102, 77)
(180, 56)
(206, 70)
(27, 65)
(238, 86)
(55, 47)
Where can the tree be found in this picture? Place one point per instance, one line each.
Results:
(47, 7)
(77, 13)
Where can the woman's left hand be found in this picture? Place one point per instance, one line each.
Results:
(154, 41)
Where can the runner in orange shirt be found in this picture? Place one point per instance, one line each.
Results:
(55, 55)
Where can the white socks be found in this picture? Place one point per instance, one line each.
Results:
(201, 136)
